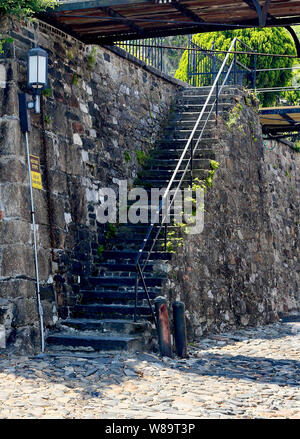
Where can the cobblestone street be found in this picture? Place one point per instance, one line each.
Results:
(252, 373)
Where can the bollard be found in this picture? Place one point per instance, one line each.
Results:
(180, 329)
(163, 327)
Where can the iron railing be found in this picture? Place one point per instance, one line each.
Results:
(148, 50)
(188, 153)
(204, 64)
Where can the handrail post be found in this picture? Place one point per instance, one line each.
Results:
(165, 233)
(217, 102)
(214, 62)
(191, 163)
(254, 73)
(234, 65)
(139, 271)
(136, 297)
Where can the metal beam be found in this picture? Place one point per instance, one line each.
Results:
(254, 4)
(186, 11)
(93, 4)
(265, 12)
(295, 38)
(130, 23)
(290, 119)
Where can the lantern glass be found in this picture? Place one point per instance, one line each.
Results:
(37, 68)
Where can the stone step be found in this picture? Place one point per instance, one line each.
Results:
(113, 326)
(203, 91)
(113, 311)
(166, 174)
(177, 134)
(174, 143)
(176, 153)
(118, 255)
(131, 268)
(193, 112)
(102, 281)
(165, 164)
(95, 296)
(97, 343)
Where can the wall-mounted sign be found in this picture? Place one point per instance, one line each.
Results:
(35, 172)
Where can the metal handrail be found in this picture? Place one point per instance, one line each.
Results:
(188, 146)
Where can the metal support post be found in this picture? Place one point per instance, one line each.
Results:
(180, 329)
(163, 327)
(25, 128)
(40, 308)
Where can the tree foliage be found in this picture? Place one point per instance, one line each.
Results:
(24, 8)
(266, 40)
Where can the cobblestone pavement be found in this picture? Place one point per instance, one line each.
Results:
(252, 373)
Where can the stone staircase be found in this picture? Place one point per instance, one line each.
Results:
(102, 320)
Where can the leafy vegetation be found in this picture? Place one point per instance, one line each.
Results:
(127, 157)
(267, 40)
(24, 8)
(141, 157)
(92, 58)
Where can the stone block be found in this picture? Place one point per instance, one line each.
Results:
(25, 340)
(17, 260)
(9, 100)
(25, 312)
(12, 288)
(13, 170)
(15, 200)
(15, 232)
(10, 138)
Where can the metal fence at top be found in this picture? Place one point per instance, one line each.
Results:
(204, 64)
(149, 50)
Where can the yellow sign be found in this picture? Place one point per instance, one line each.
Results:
(36, 177)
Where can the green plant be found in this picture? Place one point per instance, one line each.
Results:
(100, 249)
(5, 40)
(234, 115)
(296, 146)
(141, 157)
(75, 79)
(70, 55)
(92, 58)
(112, 229)
(47, 119)
(127, 156)
(288, 174)
(47, 92)
(25, 8)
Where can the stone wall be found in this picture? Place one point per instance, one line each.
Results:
(244, 267)
(100, 110)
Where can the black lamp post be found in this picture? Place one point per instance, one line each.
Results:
(37, 80)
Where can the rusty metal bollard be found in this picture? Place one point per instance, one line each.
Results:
(180, 329)
(163, 327)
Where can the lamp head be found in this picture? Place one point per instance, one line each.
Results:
(37, 70)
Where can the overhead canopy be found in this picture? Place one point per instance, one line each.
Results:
(107, 21)
(279, 120)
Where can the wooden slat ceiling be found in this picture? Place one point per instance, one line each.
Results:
(281, 119)
(107, 21)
